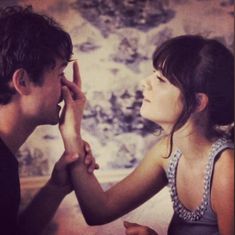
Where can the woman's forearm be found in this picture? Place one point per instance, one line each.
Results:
(94, 202)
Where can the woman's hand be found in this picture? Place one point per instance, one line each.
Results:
(137, 229)
(71, 116)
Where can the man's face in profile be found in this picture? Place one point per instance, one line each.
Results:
(45, 98)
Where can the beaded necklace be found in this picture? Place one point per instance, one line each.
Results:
(179, 208)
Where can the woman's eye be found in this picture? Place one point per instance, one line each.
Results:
(160, 79)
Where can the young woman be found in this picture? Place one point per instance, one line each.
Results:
(190, 95)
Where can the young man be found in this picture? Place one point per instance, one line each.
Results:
(34, 51)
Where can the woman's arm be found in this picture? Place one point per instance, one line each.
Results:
(101, 207)
(98, 206)
(222, 194)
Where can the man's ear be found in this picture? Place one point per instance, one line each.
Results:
(21, 81)
(202, 102)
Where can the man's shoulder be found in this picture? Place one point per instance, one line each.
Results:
(5, 151)
(8, 162)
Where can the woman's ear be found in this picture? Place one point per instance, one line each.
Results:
(21, 82)
(202, 102)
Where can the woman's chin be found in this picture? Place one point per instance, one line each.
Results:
(147, 117)
(143, 114)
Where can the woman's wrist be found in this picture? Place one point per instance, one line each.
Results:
(74, 145)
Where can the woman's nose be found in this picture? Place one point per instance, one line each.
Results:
(145, 84)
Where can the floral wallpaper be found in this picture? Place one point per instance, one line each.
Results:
(113, 42)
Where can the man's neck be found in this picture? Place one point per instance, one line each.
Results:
(14, 128)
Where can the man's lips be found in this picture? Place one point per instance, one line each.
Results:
(59, 103)
(61, 99)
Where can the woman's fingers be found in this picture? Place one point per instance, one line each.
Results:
(77, 94)
(129, 224)
(137, 229)
(76, 75)
(75, 90)
(66, 95)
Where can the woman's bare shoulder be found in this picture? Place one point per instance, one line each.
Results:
(223, 172)
(223, 186)
(224, 164)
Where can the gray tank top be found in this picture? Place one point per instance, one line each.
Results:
(201, 221)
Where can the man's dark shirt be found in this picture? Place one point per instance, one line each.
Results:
(9, 191)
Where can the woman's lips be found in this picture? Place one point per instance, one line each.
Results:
(146, 100)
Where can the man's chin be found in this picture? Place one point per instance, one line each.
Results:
(53, 121)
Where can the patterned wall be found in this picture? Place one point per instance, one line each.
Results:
(113, 42)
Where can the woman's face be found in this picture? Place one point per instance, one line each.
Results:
(162, 101)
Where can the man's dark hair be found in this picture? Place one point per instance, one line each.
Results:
(30, 41)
